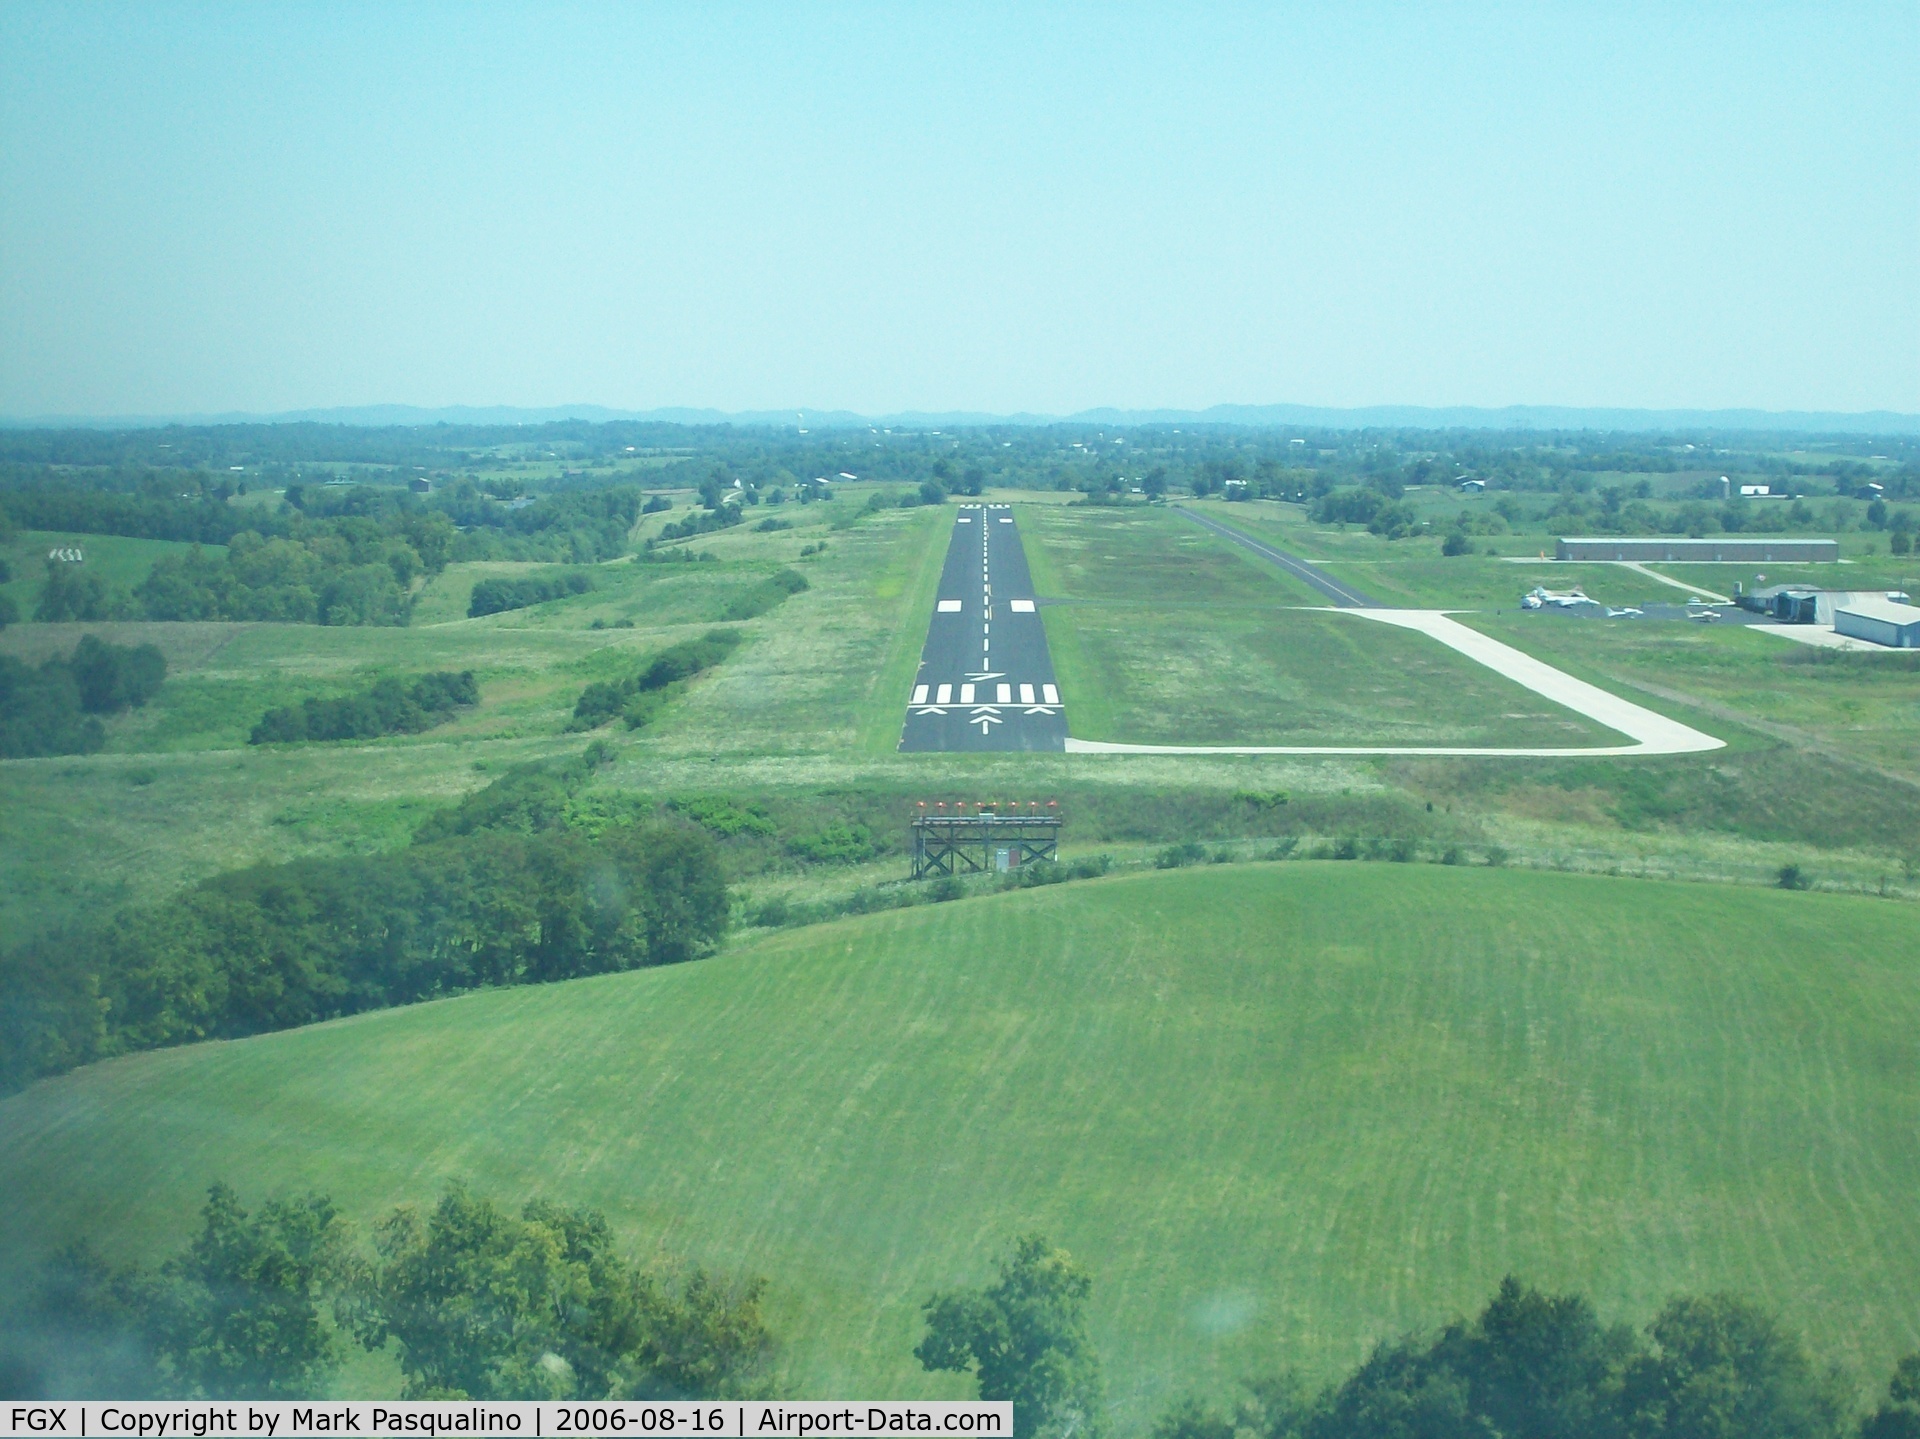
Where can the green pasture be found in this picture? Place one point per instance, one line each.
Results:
(121, 562)
(1164, 633)
(1865, 707)
(1276, 1110)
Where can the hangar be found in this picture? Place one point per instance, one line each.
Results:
(1881, 621)
(1701, 551)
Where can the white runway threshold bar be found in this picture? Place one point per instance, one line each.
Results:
(1651, 733)
(516, 1419)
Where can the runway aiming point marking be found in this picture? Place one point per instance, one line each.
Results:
(997, 711)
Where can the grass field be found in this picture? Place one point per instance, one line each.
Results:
(120, 561)
(1277, 1110)
(812, 706)
(1163, 633)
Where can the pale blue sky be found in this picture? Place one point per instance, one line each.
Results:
(1043, 208)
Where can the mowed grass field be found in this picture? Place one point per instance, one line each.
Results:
(1277, 1110)
(120, 561)
(1163, 633)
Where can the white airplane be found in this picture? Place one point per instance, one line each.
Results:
(1539, 598)
(1630, 612)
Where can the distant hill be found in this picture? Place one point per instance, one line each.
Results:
(1385, 417)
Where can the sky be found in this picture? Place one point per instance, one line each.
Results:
(1039, 208)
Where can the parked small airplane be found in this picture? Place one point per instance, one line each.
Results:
(1540, 598)
(1630, 612)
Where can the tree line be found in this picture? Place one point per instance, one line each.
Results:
(497, 594)
(390, 705)
(1530, 1365)
(347, 556)
(55, 707)
(276, 946)
(474, 1301)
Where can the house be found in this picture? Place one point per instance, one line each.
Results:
(1472, 487)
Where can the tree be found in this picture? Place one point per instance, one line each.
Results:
(474, 1298)
(1025, 1339)
(485, 1304)
(1898, 1417)
(72, 594)
(237, 1314)
(1719, 1368)
(1457, 543)
(116, 677)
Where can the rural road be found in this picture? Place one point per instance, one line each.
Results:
(1651, 733)
(1341, 594)
(986, 679)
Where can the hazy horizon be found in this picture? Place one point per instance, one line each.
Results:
(224, 209)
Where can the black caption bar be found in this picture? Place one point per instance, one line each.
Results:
(506, 1419)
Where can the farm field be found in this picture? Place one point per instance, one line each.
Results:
(1163, 633)
(1277, 1110)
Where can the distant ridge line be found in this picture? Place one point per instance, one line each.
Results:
(1395, 417)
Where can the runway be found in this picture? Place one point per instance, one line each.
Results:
(985, 681)
(1341, 593)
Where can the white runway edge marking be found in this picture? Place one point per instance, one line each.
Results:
(1020, 607)
(949, 607)
(1652, 733)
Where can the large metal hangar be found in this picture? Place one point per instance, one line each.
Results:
(1883, 622)
(1778, 552)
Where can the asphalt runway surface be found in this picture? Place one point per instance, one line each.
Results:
(1340, 593)
(985, 680)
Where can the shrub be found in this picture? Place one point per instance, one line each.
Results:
(765, 595)
(1456, 543)
(836, 843)
(640, 696)
(390, 706)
